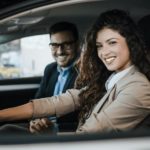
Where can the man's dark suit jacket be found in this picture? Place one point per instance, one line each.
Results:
(46, 89)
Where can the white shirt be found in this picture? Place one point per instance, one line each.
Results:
(115, 77)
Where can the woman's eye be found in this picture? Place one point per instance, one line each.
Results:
(98, 47)
(112, 42)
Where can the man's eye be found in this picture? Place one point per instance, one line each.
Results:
(54, 44)
(66, 44)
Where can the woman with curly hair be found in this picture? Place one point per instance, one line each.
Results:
(113, 88)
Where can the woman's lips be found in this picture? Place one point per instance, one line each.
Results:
(109, 60)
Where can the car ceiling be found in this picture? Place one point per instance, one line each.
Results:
(81, 12)
(7, 3)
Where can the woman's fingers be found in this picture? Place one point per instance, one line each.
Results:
(32, 127)
(38, 125)
(44, 122)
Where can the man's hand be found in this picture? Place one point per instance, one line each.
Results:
(39, 125)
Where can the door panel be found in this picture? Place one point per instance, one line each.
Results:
(14, 92)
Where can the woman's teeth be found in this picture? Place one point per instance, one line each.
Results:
(110, 60)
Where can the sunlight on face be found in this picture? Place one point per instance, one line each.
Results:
(113, 50)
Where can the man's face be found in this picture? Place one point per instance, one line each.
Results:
(64, 48)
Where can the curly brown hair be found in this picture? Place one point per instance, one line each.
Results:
(93, 73)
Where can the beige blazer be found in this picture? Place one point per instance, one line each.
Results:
(123, 107)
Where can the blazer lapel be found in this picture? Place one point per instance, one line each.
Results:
(123, 80)
(110, 95)
(52, 82)
(102, 102)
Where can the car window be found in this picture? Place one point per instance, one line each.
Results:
(25, 57)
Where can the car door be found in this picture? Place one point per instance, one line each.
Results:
(21, 68)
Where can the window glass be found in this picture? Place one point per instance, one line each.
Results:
(26, 57)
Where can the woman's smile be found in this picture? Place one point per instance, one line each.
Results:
(110, 60)
(113, 50)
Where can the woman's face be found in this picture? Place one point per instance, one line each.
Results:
(113, 50)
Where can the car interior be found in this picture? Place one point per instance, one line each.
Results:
(34, 18)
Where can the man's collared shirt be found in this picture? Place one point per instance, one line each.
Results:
(62, 78)
(61, 81)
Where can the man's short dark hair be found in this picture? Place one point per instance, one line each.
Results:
(64, 26)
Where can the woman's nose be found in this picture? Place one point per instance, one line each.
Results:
(105, 51)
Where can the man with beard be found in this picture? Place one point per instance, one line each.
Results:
(60, 75)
